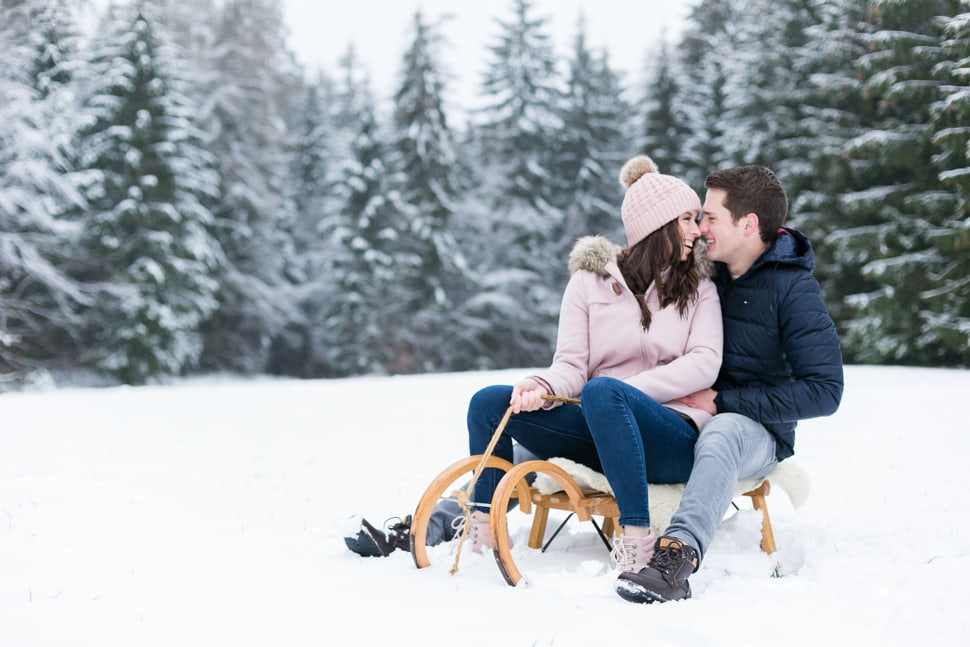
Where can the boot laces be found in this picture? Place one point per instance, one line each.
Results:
(398, 529)
(624, 553)
(394, 524)
(458, 524)
(668, 559)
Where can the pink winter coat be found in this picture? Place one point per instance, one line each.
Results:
(600, 334)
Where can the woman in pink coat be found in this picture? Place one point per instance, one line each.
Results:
(639, 327)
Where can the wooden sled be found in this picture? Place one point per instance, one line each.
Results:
(585, 505)
(435, 492)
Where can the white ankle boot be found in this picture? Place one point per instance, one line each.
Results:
(630, 554)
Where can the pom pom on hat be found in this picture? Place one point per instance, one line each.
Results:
(652, 199)
(636, 167)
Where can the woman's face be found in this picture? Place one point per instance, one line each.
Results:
(689, 232)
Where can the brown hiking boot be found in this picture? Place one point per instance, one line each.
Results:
(664, 578)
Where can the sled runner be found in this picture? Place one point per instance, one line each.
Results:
(559, 484)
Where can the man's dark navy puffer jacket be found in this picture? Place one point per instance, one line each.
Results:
(782, 358)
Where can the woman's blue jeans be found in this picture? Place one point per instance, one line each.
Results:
(618, 430)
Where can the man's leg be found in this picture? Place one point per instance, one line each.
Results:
(730, 447)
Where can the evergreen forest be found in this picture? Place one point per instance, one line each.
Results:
(178, 196)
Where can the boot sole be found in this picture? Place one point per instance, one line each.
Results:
(632, 592)
(365, 545)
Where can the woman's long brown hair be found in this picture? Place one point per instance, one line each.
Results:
(645, 263)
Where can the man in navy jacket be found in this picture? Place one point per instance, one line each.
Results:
(782, 363)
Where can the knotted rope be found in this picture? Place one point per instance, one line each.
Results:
(463, 497)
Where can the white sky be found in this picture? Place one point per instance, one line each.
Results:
(320, 31)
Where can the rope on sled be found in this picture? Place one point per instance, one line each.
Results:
(464, 497)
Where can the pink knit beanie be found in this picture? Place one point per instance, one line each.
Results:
(652, 199)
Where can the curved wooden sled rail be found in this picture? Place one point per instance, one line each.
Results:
(431, 496)
(584, 505)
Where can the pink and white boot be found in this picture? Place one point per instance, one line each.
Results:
(630, 553)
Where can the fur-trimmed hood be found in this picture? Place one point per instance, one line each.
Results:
(595, 253)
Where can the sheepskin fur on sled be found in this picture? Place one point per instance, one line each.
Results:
(664, 499)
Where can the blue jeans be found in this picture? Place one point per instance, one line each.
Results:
(731, 447)
(619, 431)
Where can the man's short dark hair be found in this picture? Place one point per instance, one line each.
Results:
(753, 189)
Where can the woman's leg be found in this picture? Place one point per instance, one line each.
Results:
(638, 441)
(560, 431)
(485, 412)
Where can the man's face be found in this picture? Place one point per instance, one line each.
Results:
(724, 236)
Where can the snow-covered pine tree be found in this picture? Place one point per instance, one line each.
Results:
(508, 222)
(38, 300)
(431, 269)
(366, 231)
(702, 57)
(898, 216)
(951, 138)
(766, 74)
(595, 142)
(192, 25)
(145, 243)
(300, 348)
(831, 111)
(246, 118)
(665, 128)
(793, 103)
(951, 114)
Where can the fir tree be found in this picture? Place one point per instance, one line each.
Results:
(193, 26)
(145, 242)
(812, 160)
(950, 298)
(593, 146)
(510, 222)
(364, 229)
(301, 348)
(430, 266)
(665, 130)
(951, 114)
(900, 212)
(247, 121)
(704, 53)
(362, 317)
(795, 109)
(764, 91)
(39, 301)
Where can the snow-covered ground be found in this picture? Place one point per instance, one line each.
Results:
(208, 513)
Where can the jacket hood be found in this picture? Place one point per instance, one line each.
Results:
(791, 247)
(593, 253)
